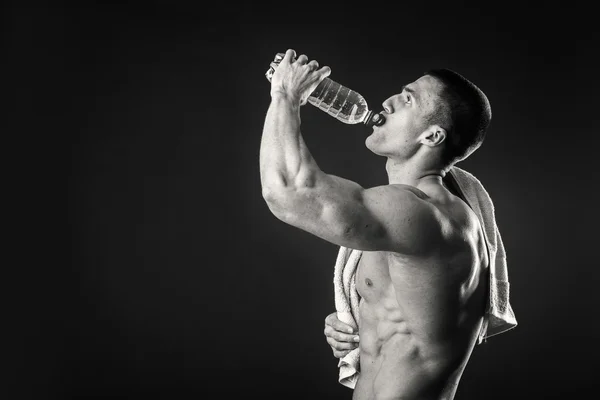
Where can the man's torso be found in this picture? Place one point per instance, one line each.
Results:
(420, 314)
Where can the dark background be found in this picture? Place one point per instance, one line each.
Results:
(180, 284)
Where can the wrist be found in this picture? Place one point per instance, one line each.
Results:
(281, 95)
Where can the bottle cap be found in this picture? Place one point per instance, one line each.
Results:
(374, 119)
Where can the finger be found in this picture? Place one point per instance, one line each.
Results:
(314, 65)
(333, 321)
(325, 71)
(302, 59)
(341, 345)
(330, 318)
(340, 354)
(289, 56)
(340, 336)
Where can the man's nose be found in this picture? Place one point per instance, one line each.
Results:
(387, 107)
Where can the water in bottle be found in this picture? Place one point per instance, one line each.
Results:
(344, 104)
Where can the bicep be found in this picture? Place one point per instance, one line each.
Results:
(332, 209)
(383, 218)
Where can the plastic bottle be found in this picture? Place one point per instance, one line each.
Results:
(342, 103)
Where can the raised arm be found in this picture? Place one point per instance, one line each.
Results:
(388, 218)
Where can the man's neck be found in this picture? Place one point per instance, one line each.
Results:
(410, 172)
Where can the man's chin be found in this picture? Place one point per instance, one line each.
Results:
(374, 146)
(370, 142)
(367, 143)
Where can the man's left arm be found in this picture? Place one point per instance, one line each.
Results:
(298, 192)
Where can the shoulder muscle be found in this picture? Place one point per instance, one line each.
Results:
(412, 224)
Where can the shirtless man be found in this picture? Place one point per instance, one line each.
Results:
(422, 277)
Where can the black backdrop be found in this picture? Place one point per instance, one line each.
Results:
(181, 283)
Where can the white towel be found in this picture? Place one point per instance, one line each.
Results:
(499, 314)
(346, 299)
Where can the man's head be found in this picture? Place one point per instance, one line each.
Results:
(442, 111)
(464, 111)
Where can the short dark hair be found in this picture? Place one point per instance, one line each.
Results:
(464, 112)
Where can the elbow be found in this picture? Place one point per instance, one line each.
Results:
(273, 193)
(276, 197)
(280, 189)
(269, 194)
(289, 199)
(273, 185)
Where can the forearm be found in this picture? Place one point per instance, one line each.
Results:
(285, 161)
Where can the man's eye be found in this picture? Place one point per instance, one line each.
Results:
(408, 99)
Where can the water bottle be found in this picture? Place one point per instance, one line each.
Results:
(337, 100)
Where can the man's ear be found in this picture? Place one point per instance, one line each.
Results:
(433, 136)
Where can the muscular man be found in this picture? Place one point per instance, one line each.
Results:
(422, 277)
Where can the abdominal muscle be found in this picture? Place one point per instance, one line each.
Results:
(413, 345)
